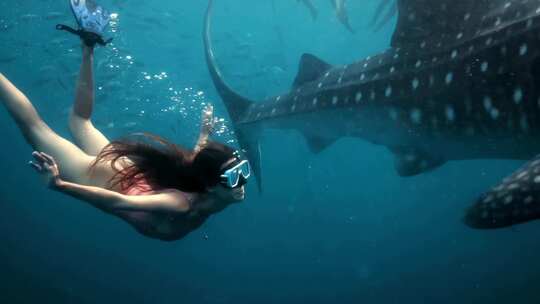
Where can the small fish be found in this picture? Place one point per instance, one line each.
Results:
(8, 59)
(153, 21)
(277, 69)
(59, 40)
(108, 77)
(102, 95)
(186, 36)
(46, 69)
(41, 82)
(29, 17)
(138, 64)
(61, 83)
(54, 15)
(341, 13)
(311, 7)
(65, 67)
(114, 85)
(390, 6)
(4, 26)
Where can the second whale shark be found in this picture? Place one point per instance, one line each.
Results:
(461, 80)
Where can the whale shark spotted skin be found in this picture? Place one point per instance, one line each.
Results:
(460, 81)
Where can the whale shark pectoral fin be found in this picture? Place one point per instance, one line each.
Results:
(411, 161)
(515, 200)
(318, 144)
(310, 69)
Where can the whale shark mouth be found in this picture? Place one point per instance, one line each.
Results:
(460, 81)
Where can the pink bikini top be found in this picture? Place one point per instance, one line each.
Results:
(140, 187)
(143, 187)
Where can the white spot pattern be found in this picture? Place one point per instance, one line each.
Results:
(449, 78)
(523, 50)
(484, 66)
(518, 95)
(358, 97)
(416, 116)
(388, 91)
(415, 83)
(450, 113)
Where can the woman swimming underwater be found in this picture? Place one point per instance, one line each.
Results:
(163, 190)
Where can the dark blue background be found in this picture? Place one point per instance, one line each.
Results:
(336, 227)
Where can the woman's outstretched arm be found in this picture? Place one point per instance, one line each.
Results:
(87, 137)
(107, 200)
(111, 201)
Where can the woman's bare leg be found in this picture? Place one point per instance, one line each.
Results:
(73, 162)
(87, 137)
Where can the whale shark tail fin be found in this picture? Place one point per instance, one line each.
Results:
(236, 105)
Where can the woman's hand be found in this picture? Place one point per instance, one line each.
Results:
(47, 167)
(207, 127)
(207, 120)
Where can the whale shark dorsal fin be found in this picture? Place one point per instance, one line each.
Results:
(310, 69)
(444, 22)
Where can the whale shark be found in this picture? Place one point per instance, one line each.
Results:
(460, 80)
(341, 14)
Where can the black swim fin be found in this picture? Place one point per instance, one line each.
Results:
(92, 20)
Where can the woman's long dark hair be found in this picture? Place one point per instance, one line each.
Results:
(164, 164)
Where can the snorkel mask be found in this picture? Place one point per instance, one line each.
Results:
(235, 174)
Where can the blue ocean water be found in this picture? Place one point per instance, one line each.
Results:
(340, 226)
